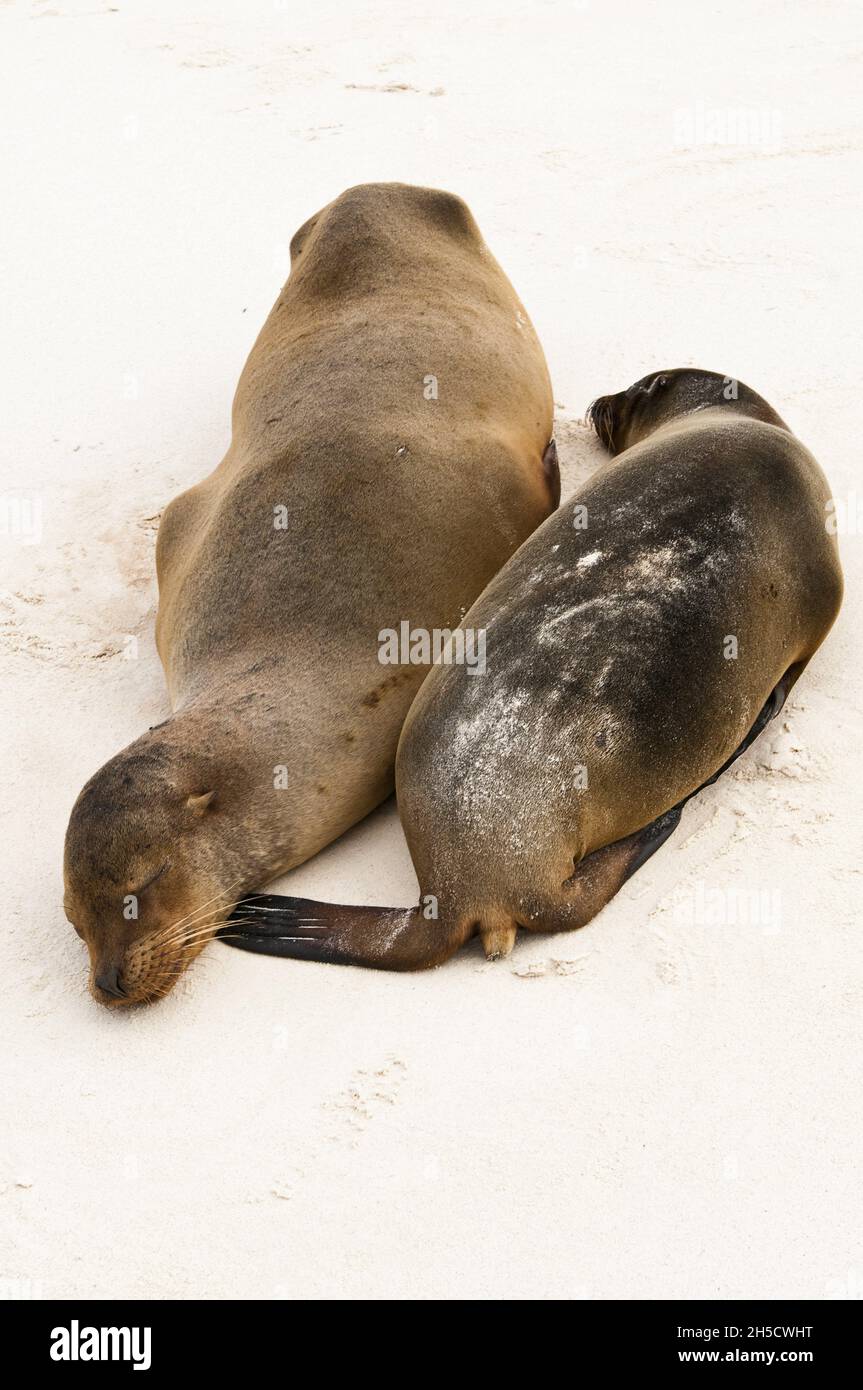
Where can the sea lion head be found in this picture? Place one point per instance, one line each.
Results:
(630, 416)
(143, 884)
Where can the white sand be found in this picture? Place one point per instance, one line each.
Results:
(674, 1109)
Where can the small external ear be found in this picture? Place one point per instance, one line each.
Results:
(198, 804)
(655, 385)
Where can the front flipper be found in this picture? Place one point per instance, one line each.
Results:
(280, 926)
(296, 927)
(381, 938)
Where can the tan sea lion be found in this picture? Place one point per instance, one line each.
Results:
(636, 644)
(389, 451)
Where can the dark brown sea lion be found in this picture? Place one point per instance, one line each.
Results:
(388, 454)
(636, 644)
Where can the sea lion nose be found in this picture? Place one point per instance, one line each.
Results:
(108, 981)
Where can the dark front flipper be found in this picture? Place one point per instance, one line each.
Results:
(299, 928)
(273, 915)
(382, 938)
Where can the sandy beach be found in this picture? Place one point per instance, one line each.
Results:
(666, 1104)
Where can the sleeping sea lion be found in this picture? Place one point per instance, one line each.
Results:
(389, 451)
(635, 645)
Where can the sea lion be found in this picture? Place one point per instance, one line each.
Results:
(389, 451)
(636, 644)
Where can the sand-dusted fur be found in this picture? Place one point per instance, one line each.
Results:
(388, 454)
(612, 691)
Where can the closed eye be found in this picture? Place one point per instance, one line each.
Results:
(152, 879)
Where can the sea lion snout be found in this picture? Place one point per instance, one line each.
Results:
(108, 982)
(147, 965)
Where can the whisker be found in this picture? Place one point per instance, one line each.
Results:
(175, 943)
(166, 955)
(175, 929)
(166, 938)
(179, 947)
(200, 908)
(170, 945)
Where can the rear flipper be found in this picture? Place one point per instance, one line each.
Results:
(655, 834)
(774, 704)
(648, 840)
(381, 938)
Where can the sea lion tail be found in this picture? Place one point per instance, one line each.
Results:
(381, 938)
